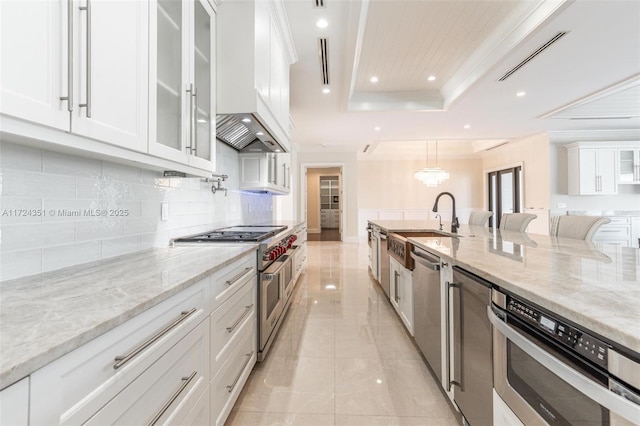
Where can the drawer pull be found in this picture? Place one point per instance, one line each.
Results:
(235, 382)
(122, 360)
(237, 278)
(244, 314)
(165, 407)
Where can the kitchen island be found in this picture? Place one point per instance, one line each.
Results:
(596, 285)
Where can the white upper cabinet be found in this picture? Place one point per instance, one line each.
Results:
(253, 63)
(110, 71)
(182, 84)
(78, 66)
(629, 165)
(261, 172)
(35, 61)
(592, 169)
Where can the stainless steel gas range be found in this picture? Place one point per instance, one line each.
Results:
(275, 281)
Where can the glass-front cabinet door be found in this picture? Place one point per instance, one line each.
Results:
(181, 95)
(629, 166)
(203, 148)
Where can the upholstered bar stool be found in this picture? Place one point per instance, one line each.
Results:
(516, 221)
(576, 227)
(479, 217)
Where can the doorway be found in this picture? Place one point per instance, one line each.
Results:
(505, 193)
(324, 202)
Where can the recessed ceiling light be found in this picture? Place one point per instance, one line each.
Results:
(521, 94)
(246, 120)
(322, 23)
(377, 128)
(431, 78)
(326, 90)
(379, 381)
(467, 126)
(330, 287)
(374, 79)
(259, 134)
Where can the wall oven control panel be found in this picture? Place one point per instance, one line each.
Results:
(571, 337)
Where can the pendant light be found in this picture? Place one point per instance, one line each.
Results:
(432, 176)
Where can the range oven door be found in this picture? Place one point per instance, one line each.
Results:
(544, 385)
(287, 277)
(271, 302)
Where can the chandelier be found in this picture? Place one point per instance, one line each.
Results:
(432, 176)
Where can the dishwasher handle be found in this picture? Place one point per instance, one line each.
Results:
(427, 261)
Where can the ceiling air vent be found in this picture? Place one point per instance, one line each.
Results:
(533, 55)
(324, 59)
(319, 3)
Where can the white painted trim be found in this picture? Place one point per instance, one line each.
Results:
(303, 189)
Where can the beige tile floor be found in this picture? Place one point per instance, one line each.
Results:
(342, 356)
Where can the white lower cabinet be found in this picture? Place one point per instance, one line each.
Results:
(167, 391)
(401, 292)
(14, 403)
(234, 350)
(76, 386)
(232, 376)
(181, 362)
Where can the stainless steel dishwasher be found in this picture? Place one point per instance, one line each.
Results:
(427, 315)
(472, 340)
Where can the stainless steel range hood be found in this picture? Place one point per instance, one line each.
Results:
(245, 133)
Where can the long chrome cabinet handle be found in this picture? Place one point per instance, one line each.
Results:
(449, 381)
(88, 81)
(595, 391)
(165, 407)
(235, 382)
(191, 115)
(69, 97)
(239, 320)
(237, 278)
(122, 360)
(194, 149)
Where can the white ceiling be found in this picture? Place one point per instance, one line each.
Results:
(588, 80)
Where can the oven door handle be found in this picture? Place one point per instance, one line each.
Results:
(598, 393)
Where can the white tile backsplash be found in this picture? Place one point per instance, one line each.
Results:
(35, 179)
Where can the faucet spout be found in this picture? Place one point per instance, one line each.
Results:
(454, 220)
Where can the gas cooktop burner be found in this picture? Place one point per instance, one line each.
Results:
(235, 234)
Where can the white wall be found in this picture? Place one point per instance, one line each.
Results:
(46, 181)
(628, 197)
(533, 153)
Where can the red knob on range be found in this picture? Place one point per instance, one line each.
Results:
(273, 255)
(293, 238)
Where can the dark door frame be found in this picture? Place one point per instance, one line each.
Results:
(517, 172)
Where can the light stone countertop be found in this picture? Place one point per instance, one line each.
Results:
(595, 285)
(46, 316)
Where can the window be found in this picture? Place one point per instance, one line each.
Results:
(504, 193)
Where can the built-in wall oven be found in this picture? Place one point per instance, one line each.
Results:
(549, 371)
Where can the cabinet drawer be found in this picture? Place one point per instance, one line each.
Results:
(230, 321)
(77, 385)
(168, 390)
(612, 233)
(618, 220)
(231, 278)
(233, 374)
